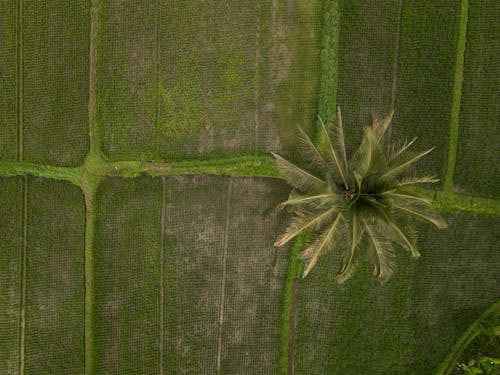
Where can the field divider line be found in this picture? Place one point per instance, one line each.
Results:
(453, 136)
(89, 191)
(395, 68)
(257, 79)
(162, 273)
(19, 80)
(223, 281)
(23, 264)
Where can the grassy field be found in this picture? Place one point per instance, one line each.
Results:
(477, 171)
(127, 277)
(408, 325)
(159, 240)
(11, 242)
(44, 71)
(8, 76)
(42, 277)
(425, 78)
(55, 57)
(180, 80)
(367, 49)
(54, 309)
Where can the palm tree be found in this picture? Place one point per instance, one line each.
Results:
(362, 204)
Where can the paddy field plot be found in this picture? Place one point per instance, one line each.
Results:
(477, 171)
(403, 58)
(42, 310)
(187, 278)
(181, 80)
(44, 71)
(408, 325)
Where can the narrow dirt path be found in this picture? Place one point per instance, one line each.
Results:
(223, 282)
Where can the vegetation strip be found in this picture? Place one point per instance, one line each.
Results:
(23, 262)
(329, 64)
(19, 80)
(89, 187)
(90, 218)
(223, 282)
(288, 314)
(162, 268)
(472, 332)
(456, 97)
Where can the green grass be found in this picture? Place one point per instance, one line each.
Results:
(295, 69)
(8, 75)
(429, 35)
(477, 170)
(11, 241)
(54, 299)
(367, 47)
(408, 325)
(127, 276)
(55, 82)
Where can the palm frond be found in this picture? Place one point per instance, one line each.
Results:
(296, 176)
(304, 222)
(349, 256)
(382, 253)
(404, 237)
(339, 130)
(318, 248)
(314, 201)
(436, 220)
(380, 126)
(309, 150)
(399, 165)
(413, 180)
(368, 158)
(398, 149)
(327, 148)
(401, 195)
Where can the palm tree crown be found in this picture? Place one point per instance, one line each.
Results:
(362, 204)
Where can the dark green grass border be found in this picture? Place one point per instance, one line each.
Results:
(456, 98)
(474, 330)
(327, 112)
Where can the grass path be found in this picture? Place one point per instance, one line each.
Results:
(457, 96)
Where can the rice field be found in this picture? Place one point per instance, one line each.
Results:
(110, 264)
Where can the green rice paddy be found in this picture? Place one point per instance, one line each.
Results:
(138, 204)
